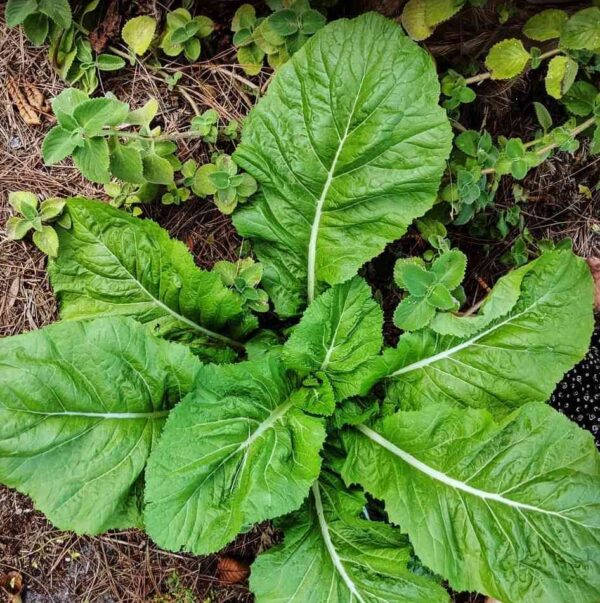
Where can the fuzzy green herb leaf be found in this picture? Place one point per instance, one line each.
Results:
(507, 59)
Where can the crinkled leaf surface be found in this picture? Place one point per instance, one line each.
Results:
(234, 452)
(348, 145)
(111, 263)
(515, 358)
(340, 335)
(510, 509)
(331, 553)
(81, 405)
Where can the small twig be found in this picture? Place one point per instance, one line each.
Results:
(478, 78)
(264, 87)
(473, 308)
(458, 126)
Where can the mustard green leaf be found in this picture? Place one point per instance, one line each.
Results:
(330, 552)
(345, 169)
(510, 509)
(111, 263)
(236, 451)
(340, 334)
(81, 405)
(516, 357)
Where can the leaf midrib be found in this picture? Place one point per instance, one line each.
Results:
(331, 550)
(461, 346)
(451, 482)
(314, 230)
(157, 414)
(162, 305)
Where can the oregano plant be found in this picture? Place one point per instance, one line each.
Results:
(33, 216)
(388, 469)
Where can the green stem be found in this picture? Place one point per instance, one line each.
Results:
(137, 136)
(478, 78)
(582, 127)
(122, 53)
(487, 75)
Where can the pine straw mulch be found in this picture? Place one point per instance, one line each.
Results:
(126, 566)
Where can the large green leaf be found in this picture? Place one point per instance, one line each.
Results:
(349, 145)
(111, 263)
(340, 335)
(81, 405)
(236, 451)
(515, 358)
(331, 553)
(510, 509)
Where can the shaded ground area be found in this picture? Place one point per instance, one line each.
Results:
(125, 566)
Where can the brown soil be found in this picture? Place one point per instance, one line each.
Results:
(126, 566)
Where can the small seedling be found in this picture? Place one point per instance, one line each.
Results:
(454, 87)
(221, 180)
(277, 36)
(244, 277)
(37, 217)
(183, 34)
(431, 289)
(231, 131)
(129, 196)
(206, 125)
(516, 160)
